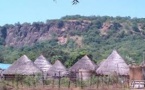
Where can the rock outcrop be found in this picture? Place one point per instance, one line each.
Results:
(27, 34)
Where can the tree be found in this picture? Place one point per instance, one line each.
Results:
(73, 1)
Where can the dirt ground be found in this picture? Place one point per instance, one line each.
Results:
(65, 88)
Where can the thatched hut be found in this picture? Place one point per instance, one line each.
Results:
(23, 66)
(57, 70)
(42, 63)
(84, 63)
(114, 64)
(84, 68)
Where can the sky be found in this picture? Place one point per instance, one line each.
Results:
(14, 11)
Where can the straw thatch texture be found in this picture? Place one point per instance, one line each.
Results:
(42, 63)
(84, 63)
(84, 74)
(114, 64)
(57, 69)
(23, 66)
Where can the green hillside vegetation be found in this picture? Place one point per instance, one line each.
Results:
(125, 34)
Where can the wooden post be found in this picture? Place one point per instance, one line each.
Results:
(17, 81)
(21, 80)
(53, 83)
(59, 78)
(69, 83)
(102, 78)
(43, 79)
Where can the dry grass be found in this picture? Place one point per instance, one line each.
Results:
(47, 87)
(32, 84)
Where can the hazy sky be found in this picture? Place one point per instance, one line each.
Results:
(13, 11)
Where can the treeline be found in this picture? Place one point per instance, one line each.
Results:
(100, 36)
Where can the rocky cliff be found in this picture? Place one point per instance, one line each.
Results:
(27, 34)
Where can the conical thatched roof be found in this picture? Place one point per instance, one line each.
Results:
(84, 63)
(42, 63)
(57, 68)
(23, 66)
(113, 64)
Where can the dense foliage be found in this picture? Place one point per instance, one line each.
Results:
(104, 34)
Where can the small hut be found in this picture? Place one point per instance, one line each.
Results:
(57, 70)
(114, 64)
(84, 63)
(23, 66)
(83, 68)
(42, 63)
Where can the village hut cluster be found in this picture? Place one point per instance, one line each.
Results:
(83, 69)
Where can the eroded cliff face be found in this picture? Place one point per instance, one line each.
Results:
(26, 34)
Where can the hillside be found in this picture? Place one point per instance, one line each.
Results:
(71, 37)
